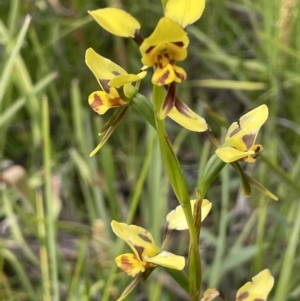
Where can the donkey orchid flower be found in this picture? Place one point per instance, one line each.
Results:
(146, 255)
(168, 42)
(241, 136)
(258, 289)
(176, 219)
(165, 45)
(114, 81)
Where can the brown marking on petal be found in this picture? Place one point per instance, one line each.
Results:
(179, 44)
(258, 149)
(144, 237)
(104, 84)
(149, 49)
(115, 102)
(140, 251)
(246, 159)
(149, 265)
(259, 299)
(137, 37)
(97, 102)
(126, 265)
(181, 107)
(243, 296)
(235, 131)
(163, 78)
(159, 61)
(180, 75)
(166, 55)
(169, 101)
(248, 140)
(116, 73)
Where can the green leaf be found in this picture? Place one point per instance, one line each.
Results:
(114, 119)
(110, 127)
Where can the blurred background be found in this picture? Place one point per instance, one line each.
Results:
(56, 203)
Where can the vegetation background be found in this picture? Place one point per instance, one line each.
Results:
(56, 203)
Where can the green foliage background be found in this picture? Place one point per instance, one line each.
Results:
(56, 203)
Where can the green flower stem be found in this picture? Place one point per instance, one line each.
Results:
(245, 181)
(178, 184)
(212, 168)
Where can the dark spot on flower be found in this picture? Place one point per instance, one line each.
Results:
(140, 251)
(137, 37)
(97, 102)
(258, 149)
(126, 264)
(115, 102)
(181, 107)
(179, 44)
(235, 131)
(169, 101)
(149, 49)
(242, 296)
(144, 237)
(159, 61)
(180, 75)
(164, 77)
(104, 84)
(249, 140)
(116, 73)
(166, 55)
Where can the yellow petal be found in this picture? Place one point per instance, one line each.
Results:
(243, 135)
(187, 118)
(176, 219)
(168, 260)
(103, 69)
(139, 239)
(229, 154)
(210, 294)
(168, 74)
(258, 289)
(180, 74)
(184, 12)
(167, 38)
(100, 102)
(116, 21)
(130, 264)
(124, 79)
(163, 76)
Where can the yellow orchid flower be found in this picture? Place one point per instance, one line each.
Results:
(165, 45)
(257, 290)
(240, 137)
(114, 81)
(176, 219)
(168, 42)
(146, 254)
